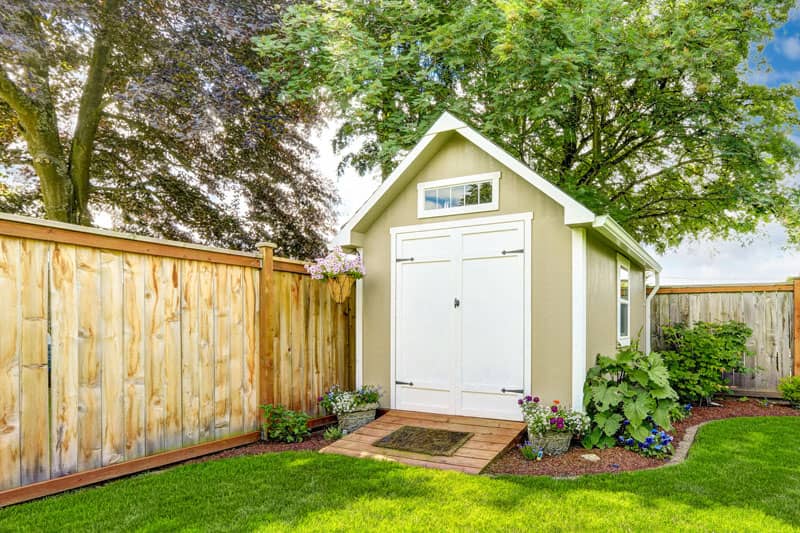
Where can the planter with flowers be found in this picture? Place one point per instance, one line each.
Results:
(551, 428)
(353, 409)
(339, 270)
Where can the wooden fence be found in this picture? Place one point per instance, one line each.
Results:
(115, 348)
(771, 310)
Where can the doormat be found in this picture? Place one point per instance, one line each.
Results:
(424, 440)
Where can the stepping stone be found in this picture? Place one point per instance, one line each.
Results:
(591, 457)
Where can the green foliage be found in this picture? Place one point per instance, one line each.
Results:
(153, 113)
(790, 389)
(530, 453)
(333, 433)
(643, 110)
(285, 425)
(627, 397)
(699, 357)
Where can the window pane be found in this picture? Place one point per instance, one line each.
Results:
(486, 192)
(623, 283)
(457, 195)
(471, 197)
(430, 199)
(623, 319)
(443, 197)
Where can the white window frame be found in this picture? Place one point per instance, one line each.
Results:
(494, 205)
(623, 261)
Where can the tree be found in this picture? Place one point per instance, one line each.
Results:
(153, 112)
(641, 110)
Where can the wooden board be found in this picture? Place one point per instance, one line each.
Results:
(222, 352)
(89, 316)
(112, 335)
(11, 319)
(35, 393)
(65, 361)
(134, 355)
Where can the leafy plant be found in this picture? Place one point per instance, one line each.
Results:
(699, 357)
(790, 390)
(338, 401)
(628, 395)
(285, 425)
(333, 433)
(529, 452)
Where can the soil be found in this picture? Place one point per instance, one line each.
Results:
(613, 460)
(313, 443)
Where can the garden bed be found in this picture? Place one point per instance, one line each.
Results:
(313, 443)
(619, 459)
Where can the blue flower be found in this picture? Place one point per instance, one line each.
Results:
(688, 407)
(621, 438)
(654, 432)
(658, 447)
(649, 440)
(626, 422)
(630, 441)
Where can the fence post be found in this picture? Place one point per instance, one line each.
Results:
(796, 327)
(266, 290)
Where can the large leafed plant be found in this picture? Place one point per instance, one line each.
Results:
(627, 395)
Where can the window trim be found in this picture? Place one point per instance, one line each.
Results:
(494, 205)
(623, 261)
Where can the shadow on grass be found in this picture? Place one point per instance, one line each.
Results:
(740, 475)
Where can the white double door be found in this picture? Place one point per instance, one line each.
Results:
(461, 296)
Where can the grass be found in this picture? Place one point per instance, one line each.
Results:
(742, 475)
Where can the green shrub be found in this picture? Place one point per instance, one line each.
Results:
(790, 390)
(698, 357)
(285, 425)
(333, 433)
(627, 396)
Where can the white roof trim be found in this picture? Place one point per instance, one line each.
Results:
(608, 228)
(575, 213)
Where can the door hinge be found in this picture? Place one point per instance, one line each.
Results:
(518, 251)
(518, 391)
(409, 383)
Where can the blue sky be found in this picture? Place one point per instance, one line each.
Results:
(764, 257)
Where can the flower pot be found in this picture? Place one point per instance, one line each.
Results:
(340, 287)
(353, 420)
(551, 442)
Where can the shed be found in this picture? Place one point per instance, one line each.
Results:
(486, 282)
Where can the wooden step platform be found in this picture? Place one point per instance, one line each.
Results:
(491, 438)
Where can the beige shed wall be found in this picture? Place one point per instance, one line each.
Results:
(551, 268)
(601, 304)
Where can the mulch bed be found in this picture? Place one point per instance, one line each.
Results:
(313, 443)
(619, 459)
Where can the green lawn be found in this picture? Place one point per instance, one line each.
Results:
(742, 475)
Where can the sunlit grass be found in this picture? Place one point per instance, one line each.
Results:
(742, 475)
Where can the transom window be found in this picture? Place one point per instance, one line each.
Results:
(467, 194)
(623, 301)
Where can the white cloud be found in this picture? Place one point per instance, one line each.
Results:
(790, 47)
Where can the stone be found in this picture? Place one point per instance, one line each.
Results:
(591, 457)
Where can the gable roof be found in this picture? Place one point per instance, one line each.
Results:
(575, 213)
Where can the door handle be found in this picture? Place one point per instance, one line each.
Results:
(519, 251)
(518, 391)
(456, 302)
(410, 384)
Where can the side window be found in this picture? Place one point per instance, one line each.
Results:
(623, 301)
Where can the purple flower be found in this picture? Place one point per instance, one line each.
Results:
(528, 398)
(319, 399)
(552, 421)
(535, 399)
(520, 402)
(554, 409)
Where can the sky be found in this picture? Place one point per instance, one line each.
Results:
(764, 257)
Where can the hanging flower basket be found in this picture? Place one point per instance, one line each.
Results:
(340, 271)
(340, 287)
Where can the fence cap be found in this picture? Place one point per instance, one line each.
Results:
(265, 244)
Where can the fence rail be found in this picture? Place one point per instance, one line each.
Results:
(771, 310)
(114, 347)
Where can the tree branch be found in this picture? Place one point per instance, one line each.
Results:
(90, 111)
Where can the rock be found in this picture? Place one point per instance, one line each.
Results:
(591, 457)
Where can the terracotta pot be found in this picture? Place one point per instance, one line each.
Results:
(340, 287)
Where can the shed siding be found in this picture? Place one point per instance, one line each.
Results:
(601, 305)
(551, 268)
